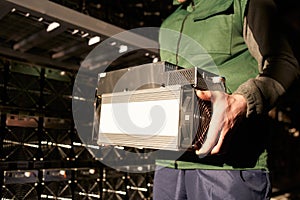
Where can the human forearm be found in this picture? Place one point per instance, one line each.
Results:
(267, 40)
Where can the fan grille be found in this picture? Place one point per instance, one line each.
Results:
(203, 117)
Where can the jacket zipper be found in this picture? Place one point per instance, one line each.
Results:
(180, 33)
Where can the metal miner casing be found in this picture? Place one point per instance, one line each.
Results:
(151, 75)
(128, 119)
(131, 99)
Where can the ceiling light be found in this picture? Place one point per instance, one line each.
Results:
(123, 48)
(40, 19)
(52, 26)
(155, 60)
(94, 40)
(113, 43)
(84, 35)
(75, 31)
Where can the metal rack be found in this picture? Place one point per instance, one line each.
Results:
(42, 156)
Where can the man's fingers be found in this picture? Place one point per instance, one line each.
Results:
(212, 136)
(216, 125)
(206, 147)
(204, 95)
(218, 146)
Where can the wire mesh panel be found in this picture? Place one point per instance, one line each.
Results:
(20, 144)
(20, 185)
(57, 184)
(114, 185)
(23, 89)
(56, 144)
(88, 183)
(2, 82)
(139, 186)
(57, 92)
(111, 154)
(80, 150)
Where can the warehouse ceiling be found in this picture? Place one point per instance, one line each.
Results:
(59, 33)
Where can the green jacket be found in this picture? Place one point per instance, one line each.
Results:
(209, 35)
(213, 27)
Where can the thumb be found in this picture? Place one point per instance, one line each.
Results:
(204, 95)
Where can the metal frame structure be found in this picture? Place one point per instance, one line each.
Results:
(42, 156)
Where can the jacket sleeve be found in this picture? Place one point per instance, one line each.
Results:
(266, 38)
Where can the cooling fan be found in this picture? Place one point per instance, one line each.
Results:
(194, 120)
(203, 116)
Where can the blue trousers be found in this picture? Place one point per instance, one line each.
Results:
(174, 184)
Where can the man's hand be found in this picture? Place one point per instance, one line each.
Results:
(226, 112)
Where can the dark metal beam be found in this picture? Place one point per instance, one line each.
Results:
(67, 53)
(38, 59)
(37, 38)
(4, 10)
